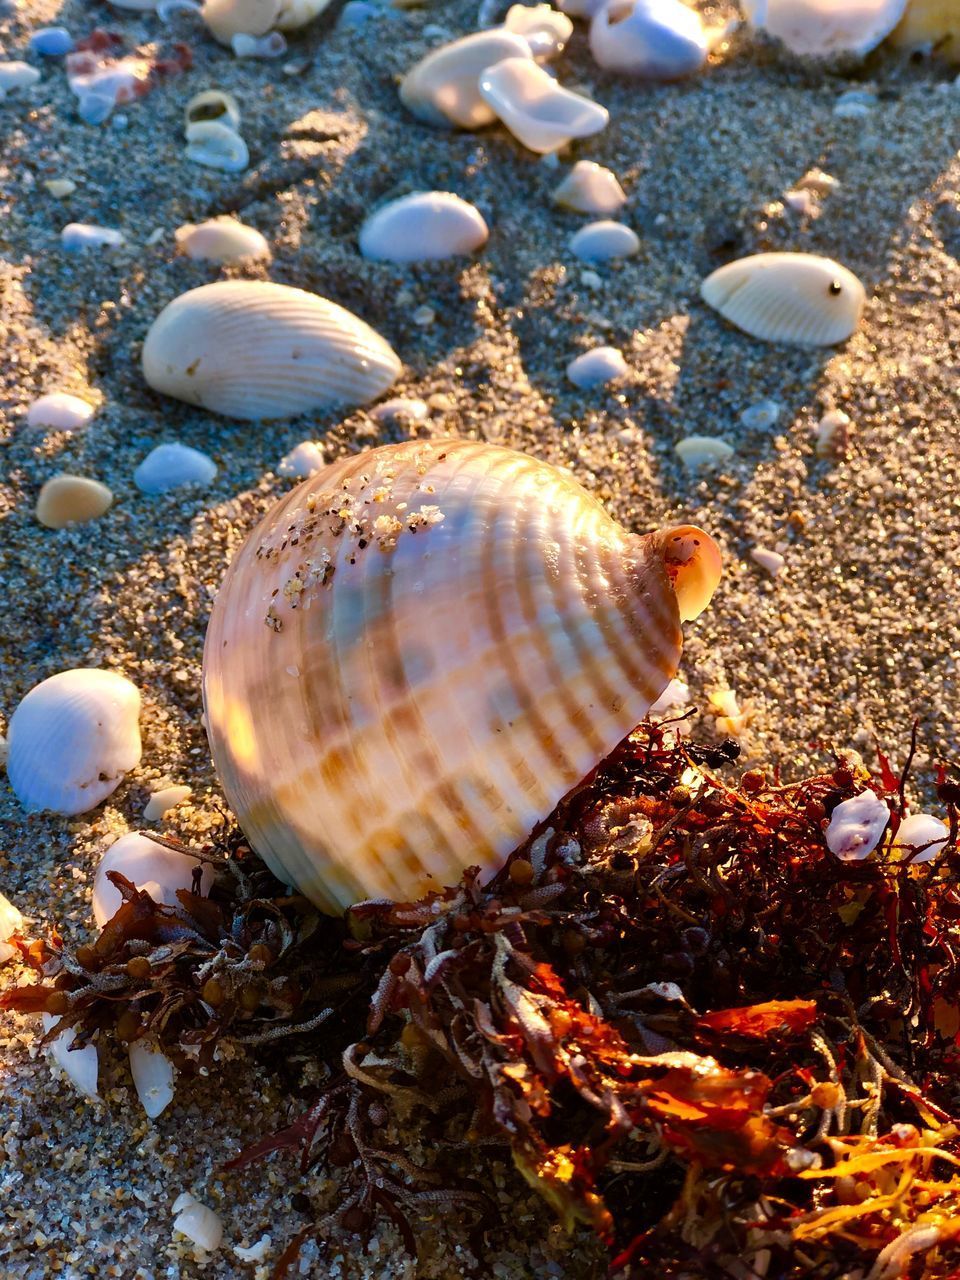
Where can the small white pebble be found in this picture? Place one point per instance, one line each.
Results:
(702, 453)
(172, 466)
(16, 75)
(86, 235)
(60, 188)
(305, 459)
(761, 416)
(770, 561)
(404, 409)
(424, 317)
(59, 411)
(597, 367)
(161, 802)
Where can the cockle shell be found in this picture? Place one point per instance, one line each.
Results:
(423, 227)
(153, 867)
(254, 350)
(223, 239)
(421, 650)
(651, 39)
(537, 111)
(822, 28)
(590, 188)
(796, 298)
(442, 88)
(932, 25)
(545, 30)
(72, 739)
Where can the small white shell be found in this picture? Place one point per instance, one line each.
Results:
(161, 802)
(304, 460)
(170, 466)
(85, 235)
(771, 562)
(442, 88)
(227, 18)
(11, 922)
(254, 350)
(700, 453)
(72, 739)
(796, 298)
(59, 411)
(652, 39)
(66, 500)
(297, 13)
(153, 1077)
(213, 104)
(545, 30)
(401, 409)
(597, 367)
(761, 416)
(536, 110)
(16, 75)
(153, 867)
(272, 45)
(198, 1223)
(423, 227)
(221, 240)
(216, 146)
(822, 28)
(856, 825)
(590, 188)
(81, 1066)
(603, 241)
(921, 831)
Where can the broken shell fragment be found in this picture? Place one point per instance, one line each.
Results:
(545, 30)
(590, 188)
(66, 500)
(59, 411)
(213, 104)
(198, 1223)
(604, 241)
(920, 838)
(423, 227)
(597, 367)
(442, 88)
(537, 111)
(161, 802)
(701, 453)
(222, 239)
(856, 825)
(216, 146)
(171, 466)
(795, 298)
(824, 28)
(153, 867)
(153, 1077)
(650, 39)
(81, 1066)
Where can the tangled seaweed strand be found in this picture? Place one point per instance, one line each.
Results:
(696, 1030)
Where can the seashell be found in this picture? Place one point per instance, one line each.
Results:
(227, 18)
(796, 298)
(590, 188)
(67, 500)
(51, 42)
(81, 1066)
(153, 1077)
(771, 562)
(701, 453)
(597, 367)
(222, 239)
(442, 88)
(545, 30)
(676, 694)
(11, 922)
(832, 433)
(824, 28)
(930, 25)
(761, 416)
(153, 867)
(856, 825)
(302, 461)
(59, 411)
(652, 39)
(272, 45)
(603, 241)
(171, 466)
(254, 350)
(85, 235)
(401, 409)
(422, 228)
(213, 104)
(161, 802)
(198, 1223)
(72, 739)
(297, 13)
(421, 650)
(60, 188)
(920, 838)
(216, 146)
(16, 75)
(733, 720)
(536, 110)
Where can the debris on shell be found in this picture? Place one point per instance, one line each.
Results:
(81, 1066)
(198, 1223)
(920, 838)
(771, 562)
(856, 825)
(66, 499)
(545, 30)
(11, 922)
(216, 146)
(305, 459)
(539, 113)
(604, 241)
(59, 411)
(423, 227)
(153, 1077)
(223, 239)
(590, 188)
(163, 801)
(825, 28)
(86, 235)
(442, 89)
(701, 453)
(649, 39)
(153, 867)
(597, 367)
(16, 75)
(832, 434)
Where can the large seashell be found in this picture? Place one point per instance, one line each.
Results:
(823, 28)
(423, 227)
(153, 867)
(222, 239)
(72, 739)
(932, 25)
(442, 88)
(590, 188)
(545, 30)
(796, 298)
(254, 350)
(421, 650)
(536, 110)
(652, 39)
(227, 18)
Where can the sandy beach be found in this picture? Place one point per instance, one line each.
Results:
(856, 638)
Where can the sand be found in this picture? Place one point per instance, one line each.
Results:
(858, 636)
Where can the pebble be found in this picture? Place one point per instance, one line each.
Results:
(86, 235)
(761, 416)
(603, 241)
(60, 187)
(171, 466)
(59, 411)
(67, 499)
(356, 12)
(771, 562)
(16, 75)
(305, 459)
(51, 42)
(161, 802)
(597, 367)
(855, 104)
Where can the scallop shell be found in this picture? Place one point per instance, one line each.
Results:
(423, 227)
(545, 30)
(537, 111)
(796, 298)
(930, 24)
(151, 866)
(651, 39)
(222, 239)
(442, 88)
(254, 350)
(590, 188)
(72, 739)
(421, 650)
(824, 28)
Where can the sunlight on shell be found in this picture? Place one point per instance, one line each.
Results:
(821, 28)
(650, 39)
(590, 188)
(223, 239)
(536, 110)
(152, 867)
(544, 29)
(442, 89)
(66, 500)
(59, 411)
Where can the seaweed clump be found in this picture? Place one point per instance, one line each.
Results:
(698, 1032)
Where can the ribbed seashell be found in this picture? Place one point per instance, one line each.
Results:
(216, 146)
(227, 18)
(153, 867)
(222, 239)
(442, 88)
(604, 240)
(297, 13)
(590, 188)
(597, 367)
(545, 30)
(651, 39)
(213, 104)
(72, 739)
(59, 411)
(421, 650)
(824, 28)
(423, 227)
(797, 298)
(538, 111)
(254, 350)
(932, 25)
(66, 500)
(171, 466)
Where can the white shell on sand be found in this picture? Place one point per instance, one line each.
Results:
(651, 39)
(227, 18)
(545, 30)
(821, 28)
(85, 235)
(305, 459)
(198, 1223)
(536, 110)
(832, 433)
(153, 1077)
(702, 453)
(221, 240)
(422, 227)
(65, 500)
(152, 867)
(72, 739)
(297, 13)
(856, 825)
(590, 188)
(796, 298)
(216, 146)
(254, 350)
(597, 367)
(213, 104)
(82, 1066)
(418, 652)
(442, 88)
(161, 802)
(401, 409)
(16, 75)
(59, 411)
(170, 466)
(603, 241)
(921, 831)
(272, 45)
(771, 562)
(11, 922)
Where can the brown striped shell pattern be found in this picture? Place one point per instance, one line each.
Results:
(421, 650)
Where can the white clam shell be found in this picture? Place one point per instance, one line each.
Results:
(590, 188)
(254, 350)
(305, 459)
(66, 500)
(397, 692)
(856, 825)
(597, 367)
(924, 832)
(59, 411)
(81, 1066)
(153, 1077)
(795, 298)
(213, 104)
(423, 227)
(216, 146)
(651, 39)
(822, 28)
(221, 240)
(72, 739)
(153, 867)
(170, 466)
(603, 241)
(442, 88)
(227, 18)
(545, 30)
(11, 922)
(537, 111)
